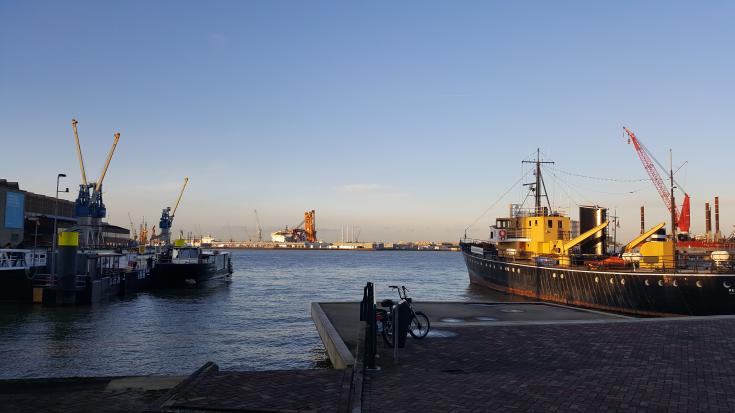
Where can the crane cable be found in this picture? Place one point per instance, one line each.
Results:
(497, 201)
(598, 178)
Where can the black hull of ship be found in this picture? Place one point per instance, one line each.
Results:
(15, 285)
(640, 293)
(170, 275)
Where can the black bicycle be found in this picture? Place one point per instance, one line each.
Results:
(418, 327)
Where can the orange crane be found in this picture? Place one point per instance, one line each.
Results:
(310, 225)
(683, 218)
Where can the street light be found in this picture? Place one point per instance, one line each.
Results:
(37, 222)
(56, 213)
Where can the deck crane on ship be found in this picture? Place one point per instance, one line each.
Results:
(88, 207)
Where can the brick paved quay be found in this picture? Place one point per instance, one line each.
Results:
(93, 394)
(209, 389)
(478, 358)
(641, 365)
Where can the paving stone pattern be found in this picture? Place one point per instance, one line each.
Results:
(636, 366)
(285, 390)
(79, 400)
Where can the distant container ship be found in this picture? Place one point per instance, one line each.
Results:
(533, 253)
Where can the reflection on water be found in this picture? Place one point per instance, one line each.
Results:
(259, 321)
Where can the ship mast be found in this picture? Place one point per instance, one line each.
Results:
(539, 184)
(673, 209)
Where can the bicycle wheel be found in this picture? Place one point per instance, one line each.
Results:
(388, 333)
(419, 326)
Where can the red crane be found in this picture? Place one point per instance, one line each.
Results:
(683, 219)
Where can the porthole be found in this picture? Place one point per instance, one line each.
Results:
(676, 284)
(553, 275)
(612, 281)
(648, 283)
(727, 284)
(597, 279)
(660, 283)
(622, 281)
(699, 284)
(561, 276)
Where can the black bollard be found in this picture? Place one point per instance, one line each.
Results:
(403, 316)
(66, 264)
(367, 314)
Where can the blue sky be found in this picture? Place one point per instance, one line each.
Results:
(407, 120)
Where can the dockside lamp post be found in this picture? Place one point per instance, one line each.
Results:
(36, 222)
(56, 213)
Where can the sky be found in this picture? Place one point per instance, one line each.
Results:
(408, 120)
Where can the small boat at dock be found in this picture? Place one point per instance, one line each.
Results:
(186, 266)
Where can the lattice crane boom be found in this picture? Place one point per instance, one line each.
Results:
(681, 219)
(79, 151)
(651, 169)
(178, 200)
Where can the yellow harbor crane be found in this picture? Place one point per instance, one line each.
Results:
(167, 217)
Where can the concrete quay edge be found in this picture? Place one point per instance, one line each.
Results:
(339, 354)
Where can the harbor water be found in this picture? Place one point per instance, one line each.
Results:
(259, 321)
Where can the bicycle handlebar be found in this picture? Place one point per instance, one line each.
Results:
(403, 287)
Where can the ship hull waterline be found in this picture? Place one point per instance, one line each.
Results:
(638, 293)
(169, 275)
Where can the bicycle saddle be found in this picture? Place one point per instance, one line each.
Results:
(387, 303)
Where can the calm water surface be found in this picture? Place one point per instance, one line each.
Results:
(259, 321)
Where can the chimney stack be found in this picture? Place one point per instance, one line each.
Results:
(718, 235)
(643, 220)
(707, 221)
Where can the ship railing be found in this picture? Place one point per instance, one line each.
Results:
(532, 212)
(654, 264)
(50, 281)
(20, 259)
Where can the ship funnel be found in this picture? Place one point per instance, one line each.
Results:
(718, 235)
(589, 218)
(707, 221)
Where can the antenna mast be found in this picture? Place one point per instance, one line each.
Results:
(539, 184)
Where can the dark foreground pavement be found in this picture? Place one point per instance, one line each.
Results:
(209, 389)
(113, 395)
(682, 365)
(568, 362)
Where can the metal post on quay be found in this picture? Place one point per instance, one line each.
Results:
(56, 213)
(367, 314)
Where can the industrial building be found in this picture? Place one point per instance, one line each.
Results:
(27, 219)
